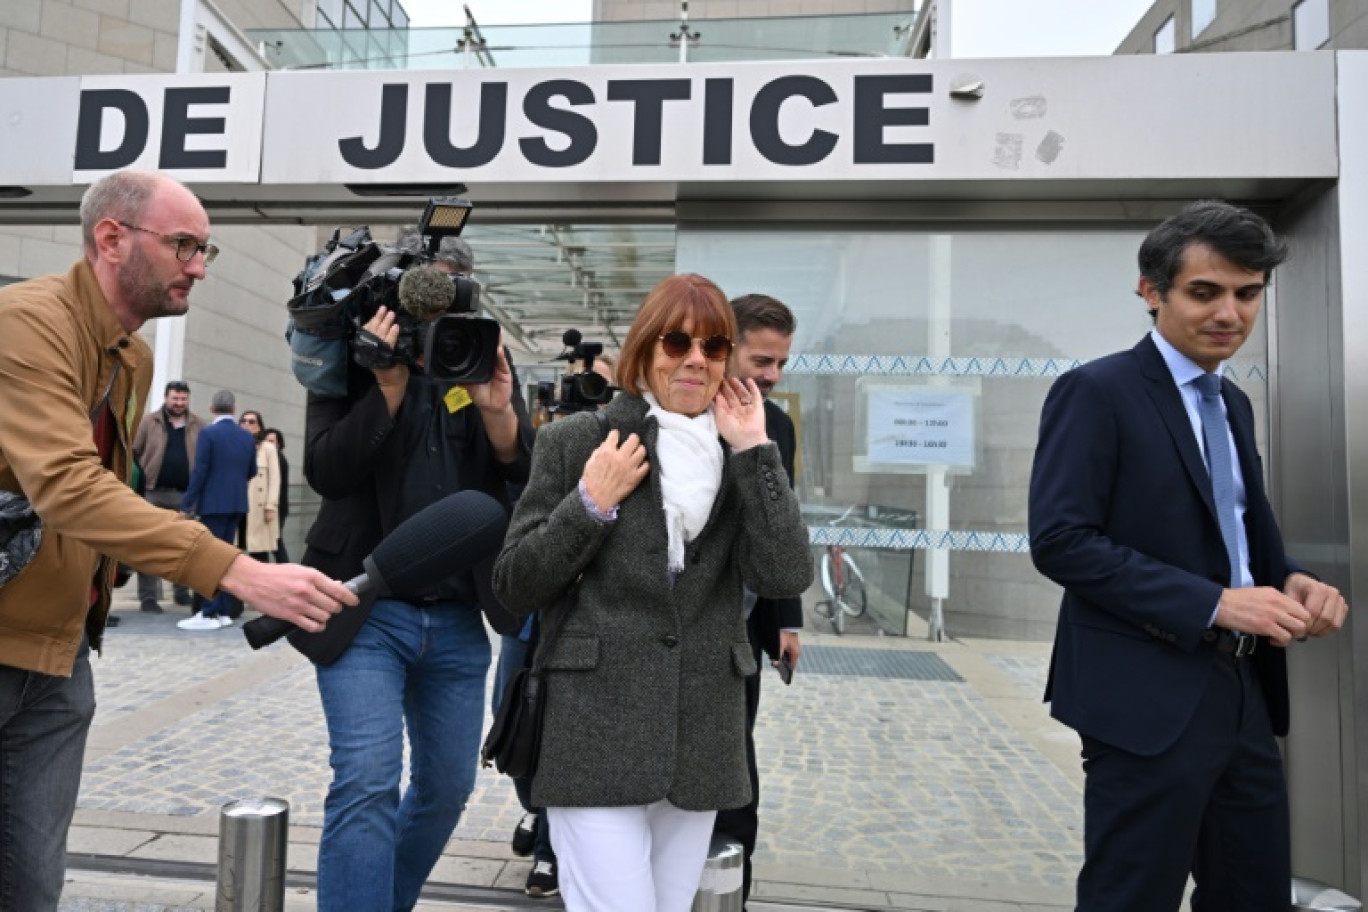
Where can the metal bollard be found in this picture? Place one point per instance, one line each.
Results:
(1314, 896)
(253, 834)
(720, 888)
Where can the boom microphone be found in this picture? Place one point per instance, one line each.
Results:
(426, 291)
(441, 540)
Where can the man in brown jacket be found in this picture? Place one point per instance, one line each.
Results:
(73, 381)
(165, 451)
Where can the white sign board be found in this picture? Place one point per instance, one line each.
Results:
(203, 127)
(920, 426)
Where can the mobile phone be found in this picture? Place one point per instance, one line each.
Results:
(785, 669)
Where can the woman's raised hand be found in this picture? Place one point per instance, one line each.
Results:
(614, 471)
(740, 414)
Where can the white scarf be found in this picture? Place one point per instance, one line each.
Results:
(689, 458)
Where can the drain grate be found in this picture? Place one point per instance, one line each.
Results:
(877, 663)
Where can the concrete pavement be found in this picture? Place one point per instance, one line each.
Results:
(896, 774)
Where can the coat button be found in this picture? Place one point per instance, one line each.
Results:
(670, 641)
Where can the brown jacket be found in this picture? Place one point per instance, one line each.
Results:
(63, 354)
(149, 445)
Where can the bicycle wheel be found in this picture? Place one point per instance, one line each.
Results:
(852, 597)
(827, 584)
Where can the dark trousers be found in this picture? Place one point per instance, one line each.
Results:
(281, 555)
(1213, 805)
(149, 586)
(224, 527)
(44, 720)
(743, 823)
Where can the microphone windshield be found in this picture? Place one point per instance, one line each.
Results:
(443, 539)
(426, 291)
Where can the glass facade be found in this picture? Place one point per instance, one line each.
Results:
(1310, 24)
(1164, 37)
(580, 44)
(949, 342)
(1203, 14)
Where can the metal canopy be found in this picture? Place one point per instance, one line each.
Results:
(540, 280)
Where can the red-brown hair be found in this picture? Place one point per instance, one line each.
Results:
(675, 301)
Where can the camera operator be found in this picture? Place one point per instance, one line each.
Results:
(397, 442)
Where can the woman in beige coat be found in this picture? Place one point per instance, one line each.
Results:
(263, 493)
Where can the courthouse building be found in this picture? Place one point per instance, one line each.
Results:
(952, 235)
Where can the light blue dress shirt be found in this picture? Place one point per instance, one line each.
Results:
(1184, 372)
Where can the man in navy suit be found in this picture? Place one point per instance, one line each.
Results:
(225, 458)
(1147, 505)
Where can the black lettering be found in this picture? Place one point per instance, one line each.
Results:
(177, 125)
(871, 117)
(94, 103)
(649, 97)
(717, 121)
(393, 127)
(580, 130)
(488, 141)
(764, 120)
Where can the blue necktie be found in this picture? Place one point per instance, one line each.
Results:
(1219, 465)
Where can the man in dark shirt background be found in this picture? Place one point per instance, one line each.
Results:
(765, 328)
(165, 451)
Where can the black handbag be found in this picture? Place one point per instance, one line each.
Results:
(514, 740)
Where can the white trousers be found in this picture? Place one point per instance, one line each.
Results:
(645, 858)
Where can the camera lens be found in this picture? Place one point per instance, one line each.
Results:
(452, 348)
(592, 386)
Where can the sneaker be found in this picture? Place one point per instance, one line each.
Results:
(224, 621)
(542, 881)
(199, 622)
(151, 607)
(525, 835)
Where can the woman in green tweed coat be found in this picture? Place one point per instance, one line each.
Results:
(662, 522)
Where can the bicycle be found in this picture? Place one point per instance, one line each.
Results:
(844, 585)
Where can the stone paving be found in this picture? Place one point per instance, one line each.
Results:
(869, 785)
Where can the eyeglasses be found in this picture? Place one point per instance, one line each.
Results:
(676, 343)
(186, 247)
(247, 421)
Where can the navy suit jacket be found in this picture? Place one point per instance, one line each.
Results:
(1122, 516)
(225, 458)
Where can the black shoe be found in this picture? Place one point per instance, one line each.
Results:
(184, 599)
(151, 607)
(542, 881)
(525, 835)
(112, 620)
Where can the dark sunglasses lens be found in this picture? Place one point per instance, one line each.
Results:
(676, 343)
(716, 348)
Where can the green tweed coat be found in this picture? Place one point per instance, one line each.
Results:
(645, 694)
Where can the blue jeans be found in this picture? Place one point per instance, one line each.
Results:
(512, 655)
(417, 668)
(44, 720)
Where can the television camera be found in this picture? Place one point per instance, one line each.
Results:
(342, 286)
(584, 391)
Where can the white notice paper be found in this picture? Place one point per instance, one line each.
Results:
(921, 426)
